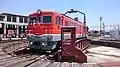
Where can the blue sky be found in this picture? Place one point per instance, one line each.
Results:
(94, 9)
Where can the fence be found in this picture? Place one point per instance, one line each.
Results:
(108, 32)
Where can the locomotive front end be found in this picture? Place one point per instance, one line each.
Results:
(40, 31)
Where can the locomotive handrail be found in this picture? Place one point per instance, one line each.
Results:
(82, 45)
(75, 11)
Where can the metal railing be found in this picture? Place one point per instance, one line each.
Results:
(15, 47)
(82, 44)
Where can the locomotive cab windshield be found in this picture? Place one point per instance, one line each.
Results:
(41, 19)
(32, 20)
(47, 19)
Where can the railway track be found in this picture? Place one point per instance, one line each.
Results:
(10, 58)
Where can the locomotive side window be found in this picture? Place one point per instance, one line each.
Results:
(32, 19)
(47, 19)
(58, 20)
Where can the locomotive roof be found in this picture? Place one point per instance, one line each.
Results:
(56, 13)
(42, 11)
(10, 14)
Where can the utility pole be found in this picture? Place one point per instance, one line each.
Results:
(100, 24)
(103, 30)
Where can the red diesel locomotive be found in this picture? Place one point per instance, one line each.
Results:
(44, 30)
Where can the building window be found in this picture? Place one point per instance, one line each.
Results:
(14, 19)
(1, 18)
(26, 27)
(25, 20)
(21, 20)
(15, 26)
(21, 27)
(9, 26)
(9, 18)
(58, 20)
(0, 25)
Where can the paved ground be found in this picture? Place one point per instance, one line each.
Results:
(103, 54)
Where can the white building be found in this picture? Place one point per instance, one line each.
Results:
(16, 23)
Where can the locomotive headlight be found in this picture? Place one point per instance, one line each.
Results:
(44, 44)
(31, 43)
(38, 11)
